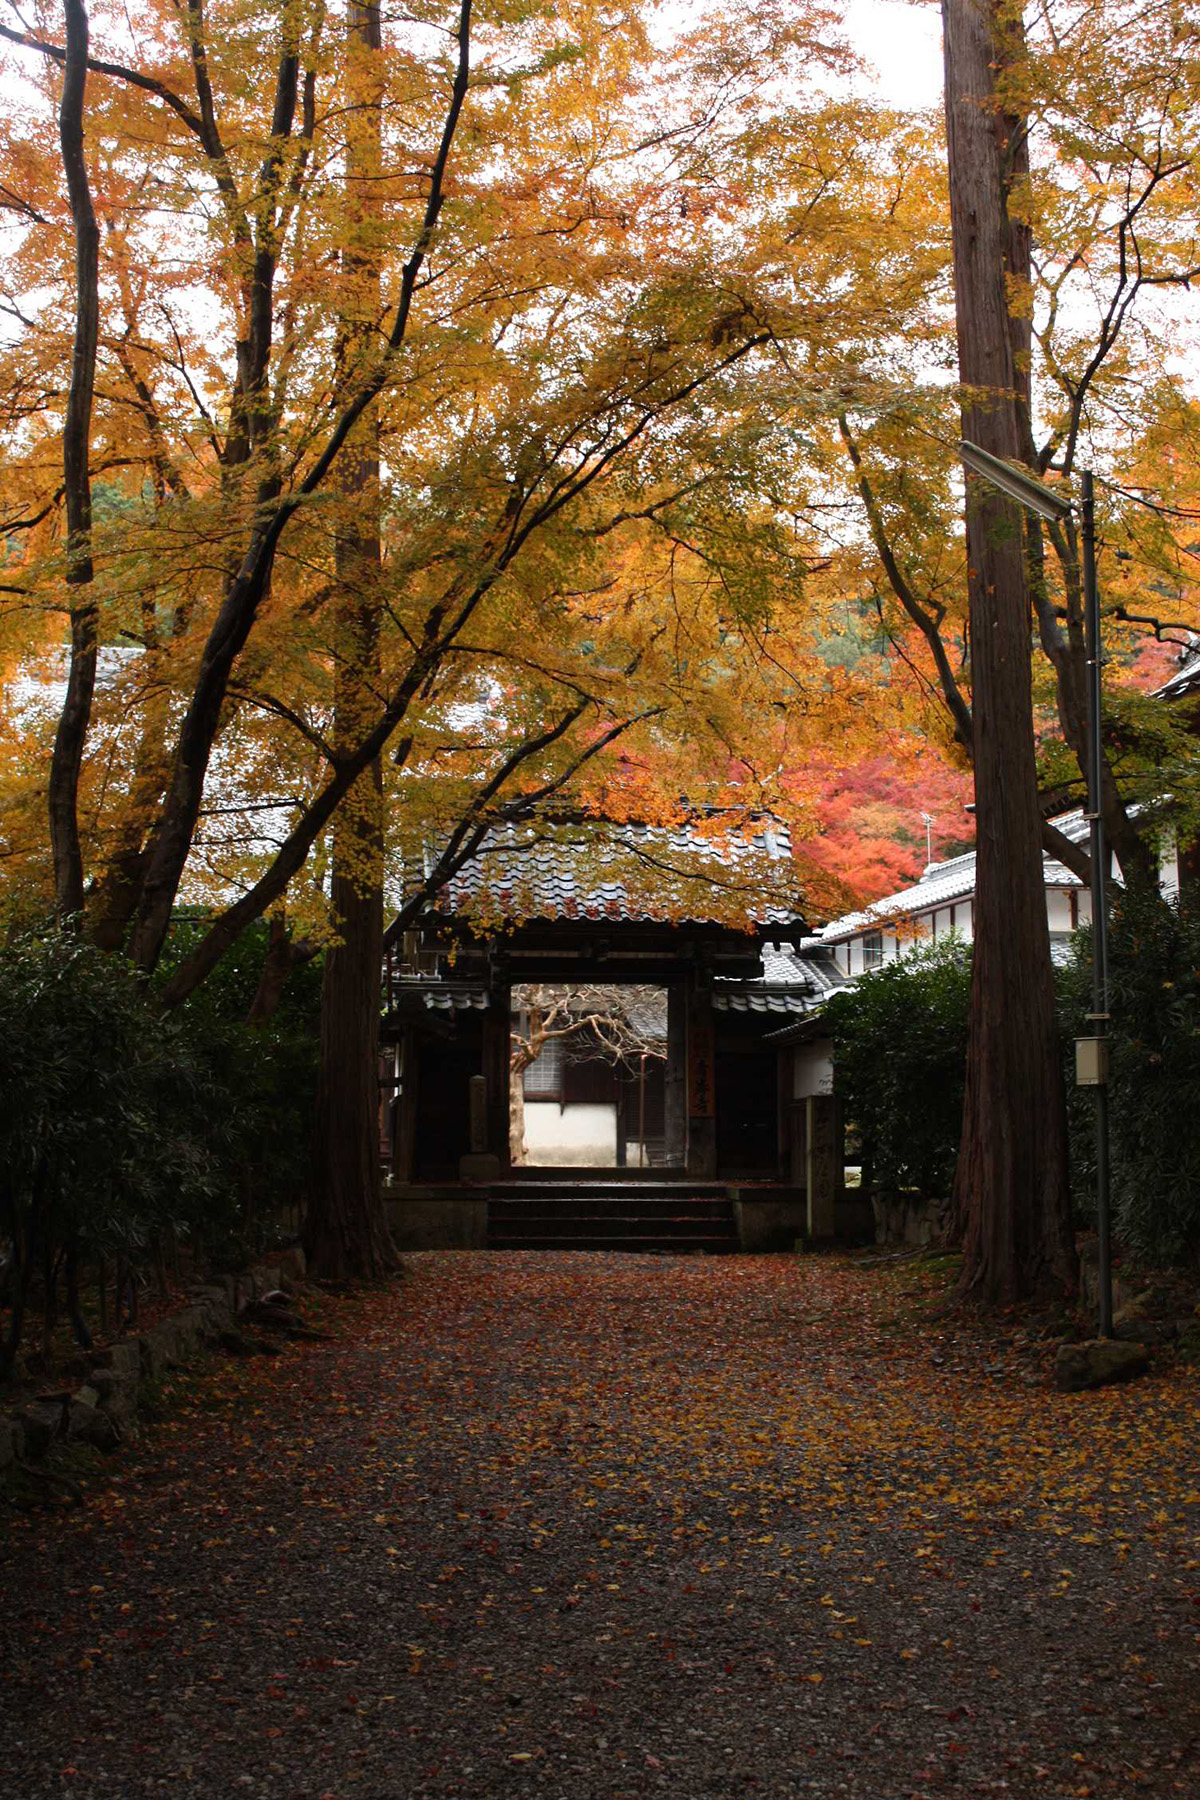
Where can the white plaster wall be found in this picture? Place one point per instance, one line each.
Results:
(1058, 909)
(812, 1070)
(1168, 865)
(575, 1137)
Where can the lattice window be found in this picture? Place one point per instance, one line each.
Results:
(544, 1076)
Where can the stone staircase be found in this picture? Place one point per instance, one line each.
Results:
(674, 1217)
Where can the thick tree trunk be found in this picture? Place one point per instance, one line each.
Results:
(1011, 1190)
(346, 1230)
(67, 759)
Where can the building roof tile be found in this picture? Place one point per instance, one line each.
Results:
(676, 874)
(943, 883)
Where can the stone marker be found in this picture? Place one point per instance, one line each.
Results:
(1098, 1362)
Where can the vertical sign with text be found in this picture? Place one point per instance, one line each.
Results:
(700, 1066)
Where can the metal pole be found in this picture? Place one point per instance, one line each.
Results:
(1099, 1014)
(642, 1113)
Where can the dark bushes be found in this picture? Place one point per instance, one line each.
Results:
(900, 1050)
(123, 1129)
(1154, 1115)
(900, 1045)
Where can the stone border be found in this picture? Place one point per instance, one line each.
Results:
(103, 1409)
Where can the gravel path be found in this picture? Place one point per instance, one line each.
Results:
(603, 1526)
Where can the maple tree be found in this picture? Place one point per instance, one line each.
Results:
(459, 441)
(476, 403)
(873, 812)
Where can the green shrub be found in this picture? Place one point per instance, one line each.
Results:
(121, 1126)
(899, 1049)
(270, 1071)
(1154, 1096)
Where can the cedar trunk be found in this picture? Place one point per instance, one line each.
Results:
(1011, 1191)
(346, 1230)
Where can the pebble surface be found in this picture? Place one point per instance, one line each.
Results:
(603, 1527)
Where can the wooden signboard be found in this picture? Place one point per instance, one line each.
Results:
(700, 1066)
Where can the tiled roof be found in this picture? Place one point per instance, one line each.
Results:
(630, 873)
(744, 998)
(943, 883)
(1186, 679)
(438, 995)
(794, 981)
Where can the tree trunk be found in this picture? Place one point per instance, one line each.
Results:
(67, 758)
(79, 1325)
(284, 955)
(1011, 1191)
(346, 1230)
(517, 1147)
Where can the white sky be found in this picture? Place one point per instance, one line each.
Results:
(904, 41)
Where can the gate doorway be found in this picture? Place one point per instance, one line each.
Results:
(592, 1077)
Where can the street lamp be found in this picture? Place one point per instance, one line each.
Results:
(1091, 1053)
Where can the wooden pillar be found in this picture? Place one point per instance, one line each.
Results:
(701, 1060)
(824, 1163)
(479, 1118)
(406, 1110)
(783, 1114)
(496, 1050)
(675, 1077)
(798, 1167)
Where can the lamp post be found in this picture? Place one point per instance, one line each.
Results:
(1091, 1053)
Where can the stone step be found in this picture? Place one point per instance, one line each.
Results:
(590, 1218)
(558, 1187)
(624, 1206)
(713, 1245)
(608, 1225)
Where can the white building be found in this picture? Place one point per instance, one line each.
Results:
(943, 902)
